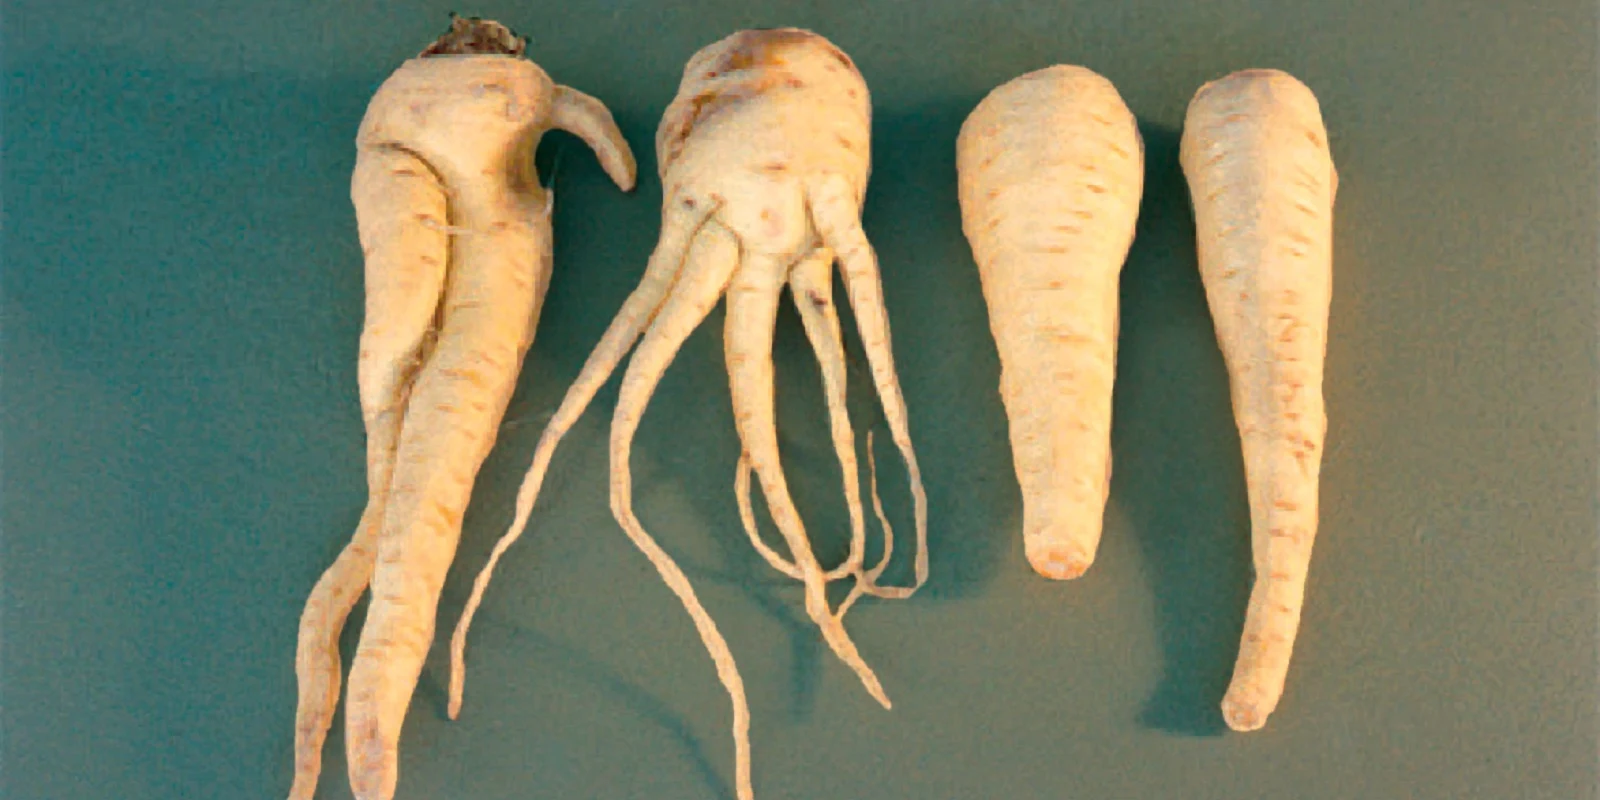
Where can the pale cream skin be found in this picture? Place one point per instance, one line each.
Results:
(1255, 153)
(455, 230)
(764, 156)
(1051, 169)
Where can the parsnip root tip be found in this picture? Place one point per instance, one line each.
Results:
(1242, 711)
(1055, 559)
(875, 689)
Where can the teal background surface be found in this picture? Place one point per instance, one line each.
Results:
(183, 451)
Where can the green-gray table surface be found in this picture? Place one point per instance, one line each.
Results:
(183, 449)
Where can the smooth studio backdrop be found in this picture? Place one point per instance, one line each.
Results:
(183, 451)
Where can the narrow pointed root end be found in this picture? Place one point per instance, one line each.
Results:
(882, 698)
(458, 685)
(1056, 560)
(869, 680)
(1244, 714)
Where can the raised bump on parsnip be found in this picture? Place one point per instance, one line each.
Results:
(764, 159)
(1051, 171)
(1255, 153)
(455, 232)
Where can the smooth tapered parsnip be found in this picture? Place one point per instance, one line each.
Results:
(764, 157)
(1051, 169)
(1255, 153)
(455, 230)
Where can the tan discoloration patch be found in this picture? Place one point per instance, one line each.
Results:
(751, 64)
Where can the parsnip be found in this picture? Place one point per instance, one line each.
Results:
(764, 157)
(455, 229)
(1051, 169)
(1256, 157)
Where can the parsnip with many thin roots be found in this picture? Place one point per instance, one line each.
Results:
(764, 159)
(455, 229)
(1051, 169)
(1255, 154)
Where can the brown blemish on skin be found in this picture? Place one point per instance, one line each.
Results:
(746, 52)
(760, 52)
(816, 300)
(775, 167)
(843, 59)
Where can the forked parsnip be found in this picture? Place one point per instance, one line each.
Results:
(1051, 170)
(1255, 153)
(764, 158)
(455, 231)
